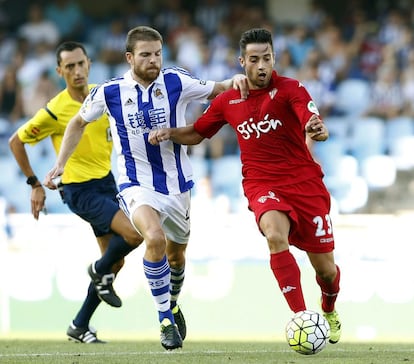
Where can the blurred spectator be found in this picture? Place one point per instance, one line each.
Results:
(284, 64)
(68, 17)
(335, 50)
(321, 92)
(8, 44)
(37, 29)
(186, 41)
(392, 29)
(112, 46)
(43, 91)
(300, 43)
(134, 14)
(31, 66)
(386, 95)
(11, 100)
(168, 17)
(209, 14)
(369, 54)
(407, 85)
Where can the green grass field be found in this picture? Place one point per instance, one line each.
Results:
(200, 352)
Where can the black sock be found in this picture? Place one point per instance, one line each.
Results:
(117, 249)
(88, 308)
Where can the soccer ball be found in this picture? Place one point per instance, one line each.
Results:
(307, 332)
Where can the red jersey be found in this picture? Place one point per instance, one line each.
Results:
(270, 127)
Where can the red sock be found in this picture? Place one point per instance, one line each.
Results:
(330, 291)
(287, 274)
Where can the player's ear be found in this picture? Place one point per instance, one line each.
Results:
(129, 57)
(241, 61)
(59, 71)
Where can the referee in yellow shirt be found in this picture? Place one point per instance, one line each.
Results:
(88, 185)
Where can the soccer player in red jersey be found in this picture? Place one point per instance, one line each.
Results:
(281, 180)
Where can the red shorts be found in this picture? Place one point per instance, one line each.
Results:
(307, 205)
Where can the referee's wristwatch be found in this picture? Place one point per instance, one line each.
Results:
(32, 180)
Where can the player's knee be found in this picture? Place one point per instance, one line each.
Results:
(328, 273)
(133, 238)
(176, 259)
(276, 241)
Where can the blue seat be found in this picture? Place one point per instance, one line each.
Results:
(226, 179)
(338, 127)
(379, 171)
(399, 134)
(352, 97)
(367, 138)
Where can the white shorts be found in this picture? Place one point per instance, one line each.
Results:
(174, 210)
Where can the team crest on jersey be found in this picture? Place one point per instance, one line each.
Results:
(158, 93)
(203, 82)
(272, 93)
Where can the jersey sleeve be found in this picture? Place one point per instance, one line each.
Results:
(301, 102)
(94, 105)
(195, 89)
(40, 126)
(212, 120)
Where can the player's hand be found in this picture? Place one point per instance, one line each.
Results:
(240, 83)
(157, 136)
(316, 129)
(37, 201)
(51, 176)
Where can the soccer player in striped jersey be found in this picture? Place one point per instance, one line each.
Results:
(282, 182)
(154, 181)
(88, 185)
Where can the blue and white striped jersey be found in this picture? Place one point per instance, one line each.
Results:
(133, 111)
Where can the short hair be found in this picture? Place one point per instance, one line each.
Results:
(141, 33)
(256, 35)
(68, 46)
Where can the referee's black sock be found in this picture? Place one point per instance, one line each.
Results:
(117, 249)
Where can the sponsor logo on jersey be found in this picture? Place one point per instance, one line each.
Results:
(257, 128)
(236, 101)
(203, 82)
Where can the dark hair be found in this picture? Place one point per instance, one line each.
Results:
(141, 33)
(68, 46)
(256, 35)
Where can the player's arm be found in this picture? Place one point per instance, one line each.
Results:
(71, 138)
(238, 82)
(316, 129)
(186, 135)
(38, 194)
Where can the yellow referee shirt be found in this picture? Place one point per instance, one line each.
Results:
(91, 158)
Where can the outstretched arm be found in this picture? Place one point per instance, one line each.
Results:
(184, 135)
(238, 82)
(71, 138)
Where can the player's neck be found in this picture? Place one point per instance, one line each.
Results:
(78, 94)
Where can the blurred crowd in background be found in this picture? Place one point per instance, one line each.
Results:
(358, 65)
